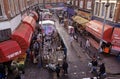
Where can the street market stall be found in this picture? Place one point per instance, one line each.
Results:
(23, 36)
(9, 50)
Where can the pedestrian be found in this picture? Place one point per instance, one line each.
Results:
(71, 39)
(87, 44)
(2, 71)
(65, 67)
(102, 70)
(58, 70)
(94, 65)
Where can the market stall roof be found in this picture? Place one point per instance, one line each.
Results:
(9, 50)
(30, 21)
(116, 39)
(47, 22)
(80, 20)
(23, 36)
(35, 15)
(95, 28)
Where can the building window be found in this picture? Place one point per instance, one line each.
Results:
(111, 10)
(89, 3)
(16, 6)
(76, 2)
(11, 7)
(72, 2)
(103, 9)
(1, 10)
(97, 8)
(81, 4)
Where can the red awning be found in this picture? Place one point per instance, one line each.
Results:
(23, 36)
(35, 15)
(116, 48)
(95, 28)
(116, 37)
(30, 21)
(9, 50)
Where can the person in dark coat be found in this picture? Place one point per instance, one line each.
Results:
(2, 71)
(65, 67)
(102, 70)
(94, 64)
(58, 70)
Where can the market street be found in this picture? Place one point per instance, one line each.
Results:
(76, 56)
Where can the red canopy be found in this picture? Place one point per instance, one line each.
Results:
(95, 28)
(116, 39)
(35, 15)
(9, 50)
(23, 36)
(30, 21)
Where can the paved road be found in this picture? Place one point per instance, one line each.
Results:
(77, 60)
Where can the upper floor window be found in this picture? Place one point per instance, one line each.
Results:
(11, 7)
(76, 3)
(1, 10)
(16, 6)
(72, 2)
(111, 10)
(102, 9)
(97, 8)
(89, 3)
(81, 4)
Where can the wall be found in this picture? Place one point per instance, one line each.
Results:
(13, 23)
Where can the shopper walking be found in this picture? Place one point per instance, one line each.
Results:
(58, 70)
(102, 70)
(87, 44)
(65, 67)
(94, 65)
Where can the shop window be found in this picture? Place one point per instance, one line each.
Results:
(111, 12)
(103, 9)
(89, 3)
(81, 4)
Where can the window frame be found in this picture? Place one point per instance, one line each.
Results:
(97, 9)
(81, 2)
(90, 7)
(102, 9)
(113, 11)
(3, 16)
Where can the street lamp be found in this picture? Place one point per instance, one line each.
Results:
(104, 22)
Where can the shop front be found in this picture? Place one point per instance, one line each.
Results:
(95, 27)
(23, 36)
(9, 50)
(29, 21)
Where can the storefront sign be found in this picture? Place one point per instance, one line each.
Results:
(14, 54)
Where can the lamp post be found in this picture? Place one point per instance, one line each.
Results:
(104, 22)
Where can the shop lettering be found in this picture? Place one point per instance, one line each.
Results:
(14, 54)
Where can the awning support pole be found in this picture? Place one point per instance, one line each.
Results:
(104, 22)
